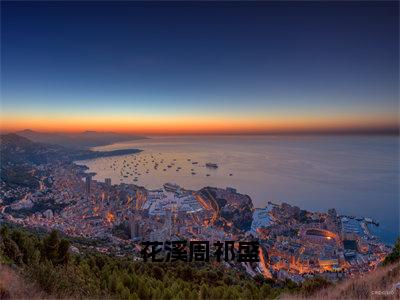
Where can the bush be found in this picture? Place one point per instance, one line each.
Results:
(310, 286)
(47, 262)
(394, 255)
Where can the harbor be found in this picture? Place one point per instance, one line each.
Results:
(313, 176)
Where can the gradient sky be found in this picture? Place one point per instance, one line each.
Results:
(199, 67)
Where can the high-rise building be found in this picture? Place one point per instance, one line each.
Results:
(141, 198)
(134, 224)
(88, 184)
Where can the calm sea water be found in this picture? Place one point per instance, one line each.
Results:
(357, 175)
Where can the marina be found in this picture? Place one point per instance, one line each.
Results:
(270, 169)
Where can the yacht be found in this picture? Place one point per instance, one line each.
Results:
(171, 187)
(211, 165)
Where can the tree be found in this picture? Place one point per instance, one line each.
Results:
(157, 294)
(50, 247)
(133, 296)
(204, 292)
(158, 273)
(26, 245)
(394, 255)
(63, 255)
(95, 275)
(11, 250)
(312, 285)
(265, 291)
(125, 294)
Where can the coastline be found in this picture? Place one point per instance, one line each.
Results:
(384, 231)
(100, 154)
(369, 226)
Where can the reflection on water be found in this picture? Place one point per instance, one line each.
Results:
(356, 174)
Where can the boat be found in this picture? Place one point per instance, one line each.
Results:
(171, 187)
(211, 165)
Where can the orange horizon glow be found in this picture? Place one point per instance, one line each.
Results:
(197, 125)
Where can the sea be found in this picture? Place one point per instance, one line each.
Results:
(356, 175)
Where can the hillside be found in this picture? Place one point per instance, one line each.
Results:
(16, 149)
(54, 269)
(383, 282)
(20, 156)
(82, 140)
(14, 286)
(57, 270)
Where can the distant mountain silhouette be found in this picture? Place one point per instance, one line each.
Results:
(81, 140)
(16, 149)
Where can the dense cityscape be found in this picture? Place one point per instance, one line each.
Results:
(205, 150)
(295, 244)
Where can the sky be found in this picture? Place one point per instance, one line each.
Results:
(199, 67)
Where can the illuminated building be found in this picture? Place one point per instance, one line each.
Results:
(134, 225)
(107, 181)
(328, 263)
(88, 184)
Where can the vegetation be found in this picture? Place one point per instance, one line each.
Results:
(382, 282)
(18, 150)
(379, 284)
(394, 256)
(19, 176)
(46, 261)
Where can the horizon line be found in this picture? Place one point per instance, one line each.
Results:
(326, 131)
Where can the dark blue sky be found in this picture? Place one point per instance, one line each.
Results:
(235, 60)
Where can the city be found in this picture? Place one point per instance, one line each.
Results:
(295, 243)
(199, 150)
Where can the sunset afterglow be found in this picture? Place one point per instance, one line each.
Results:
(197, 124)
(195, 150)
(239, 72)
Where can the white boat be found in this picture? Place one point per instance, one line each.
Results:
(171, 187)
